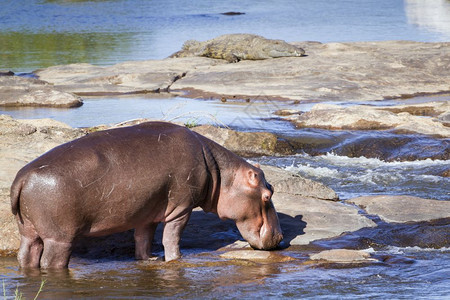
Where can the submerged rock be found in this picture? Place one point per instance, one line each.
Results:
(254, 255)
(343, 256)
(20, 91)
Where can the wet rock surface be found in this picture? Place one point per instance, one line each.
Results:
(344, 256)
(20, 91)
(386, 145)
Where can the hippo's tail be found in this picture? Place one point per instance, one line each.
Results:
(16, 188)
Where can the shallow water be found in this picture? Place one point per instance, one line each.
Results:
(111, 110)
(405, 272)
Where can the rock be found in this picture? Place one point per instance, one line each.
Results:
(390, 146)
(291, 183)
(402, 209)
(237, 47)
(358, 71)
(287, 112)
(6, 73)
(445, 118)
(343, 256)
(9, 234)
(242, 143)
(20, 91)
(232, 13)
(255, 255)
(152, 76)
(20, 142)
(360, 117)
(304, 219)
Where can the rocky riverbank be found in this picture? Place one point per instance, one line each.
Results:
(359, 71)
(309, 211)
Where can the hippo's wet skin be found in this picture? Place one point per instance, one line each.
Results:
(136, 177)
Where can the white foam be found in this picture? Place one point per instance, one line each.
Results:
(314, 171)
(403, 250)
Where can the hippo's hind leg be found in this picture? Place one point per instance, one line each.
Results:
(56, 254)
(31, 245)
(143, 237)
(30, 252)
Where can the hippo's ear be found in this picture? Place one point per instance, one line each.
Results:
(257, 165)
(253, 178)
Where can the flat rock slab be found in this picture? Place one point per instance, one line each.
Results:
(137, 77)
(355, 71)
(20, 91)
(305, 219)
(362, 117)
(343, 256)
(255, 255)
(290, 183)
(403, 209)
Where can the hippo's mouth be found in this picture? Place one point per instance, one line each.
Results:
(266, 238)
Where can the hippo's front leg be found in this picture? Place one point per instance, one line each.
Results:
(172, 236)
(143, 237)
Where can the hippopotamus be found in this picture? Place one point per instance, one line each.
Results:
(134, 178)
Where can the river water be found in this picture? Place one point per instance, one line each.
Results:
(38, 33)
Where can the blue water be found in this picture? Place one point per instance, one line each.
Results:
(36, 33)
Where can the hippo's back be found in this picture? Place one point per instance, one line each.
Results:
(115, 170)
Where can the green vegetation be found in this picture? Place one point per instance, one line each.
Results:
(191, 123)
(19, 295)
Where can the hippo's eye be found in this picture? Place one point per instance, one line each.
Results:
(266, 197)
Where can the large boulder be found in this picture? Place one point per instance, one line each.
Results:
(20, 142)
(242, 143)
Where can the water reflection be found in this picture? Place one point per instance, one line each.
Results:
(433, 16)
(29, 50)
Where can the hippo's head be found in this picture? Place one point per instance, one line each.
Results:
(247, 200)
